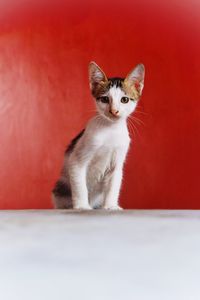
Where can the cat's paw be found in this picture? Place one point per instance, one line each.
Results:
(82, 207)
(113, 207)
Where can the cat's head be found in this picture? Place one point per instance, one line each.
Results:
(116, 97)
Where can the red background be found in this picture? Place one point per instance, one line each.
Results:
(45, 99)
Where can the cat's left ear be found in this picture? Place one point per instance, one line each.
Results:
(135, 80)
(97, 78)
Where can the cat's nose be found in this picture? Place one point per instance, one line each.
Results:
(114, 112)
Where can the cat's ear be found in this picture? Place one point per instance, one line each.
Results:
(97, 77)
(135, 80)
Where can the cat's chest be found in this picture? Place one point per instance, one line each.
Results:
(104, 162)
(111, 140)
(110, 151)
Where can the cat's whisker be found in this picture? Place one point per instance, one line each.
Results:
(134, 126)
(137, 120)
(138, 123)
(131, 129)
(139, 111)
(134, 130)
(91, 111)
(99, 119)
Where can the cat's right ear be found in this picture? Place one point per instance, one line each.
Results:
(97, 77)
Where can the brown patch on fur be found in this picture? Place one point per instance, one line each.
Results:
(99, 88)
(130, 89)
(134, 82)
(99, 83)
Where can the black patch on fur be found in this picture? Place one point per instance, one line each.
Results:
(74, 142)
(61, 189)
(116, 81)
(99, 89)
(113, 81)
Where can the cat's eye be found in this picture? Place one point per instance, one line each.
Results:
(124, 100)
(104, 99)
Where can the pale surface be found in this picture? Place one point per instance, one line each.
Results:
(99, 255)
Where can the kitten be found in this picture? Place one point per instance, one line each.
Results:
(93, 164)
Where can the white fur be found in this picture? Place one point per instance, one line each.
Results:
(94, 168)
(115, 95)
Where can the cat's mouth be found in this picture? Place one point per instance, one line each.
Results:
(112, 117)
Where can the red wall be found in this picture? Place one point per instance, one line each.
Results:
(45, 98)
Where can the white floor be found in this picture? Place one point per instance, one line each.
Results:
(99, 255)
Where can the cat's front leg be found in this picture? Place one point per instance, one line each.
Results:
(112, 190)
(77, 174)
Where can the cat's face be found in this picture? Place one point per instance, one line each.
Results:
(116, 98)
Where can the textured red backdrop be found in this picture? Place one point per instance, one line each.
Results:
(45, 98)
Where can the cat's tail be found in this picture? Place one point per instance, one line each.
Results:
(61, 196)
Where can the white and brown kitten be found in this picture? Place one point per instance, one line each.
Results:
(93, 165)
